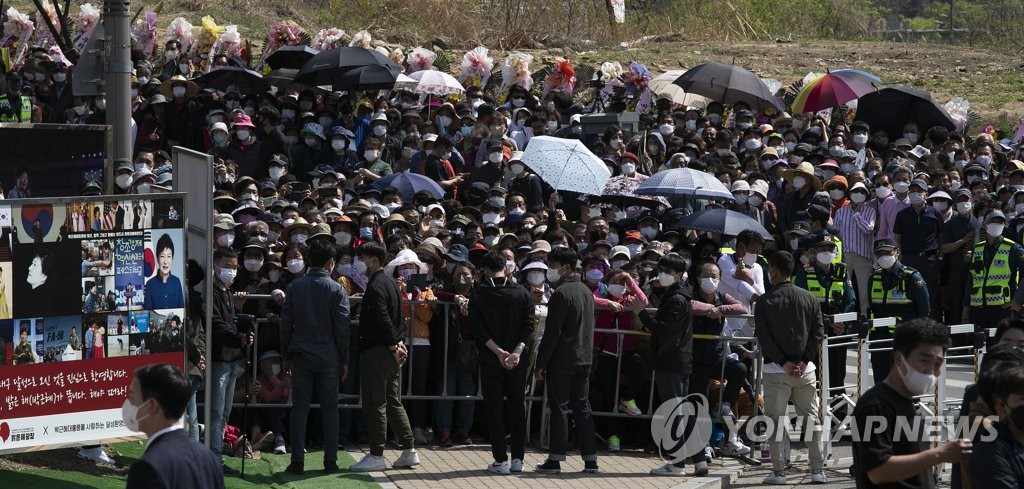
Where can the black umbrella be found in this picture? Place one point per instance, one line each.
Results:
(248, 82)
(891, 108)
(721, 220)
(374, 77)
(727, 84)
(327, 68)
(281, 77)
(290, 57)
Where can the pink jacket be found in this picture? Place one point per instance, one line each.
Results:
(608, 319)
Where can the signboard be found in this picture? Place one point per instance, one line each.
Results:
(90, 290)
(52, 160)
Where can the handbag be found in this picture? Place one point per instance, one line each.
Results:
(467, 355)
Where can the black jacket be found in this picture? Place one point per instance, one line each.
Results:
(227, 341)
(380, 315)
(671, 332)
(174, 461)
(502, 311)
(315, 319)
(788, 324)
(569, 328)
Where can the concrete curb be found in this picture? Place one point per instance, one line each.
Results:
(727, 473)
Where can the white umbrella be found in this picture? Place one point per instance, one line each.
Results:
(566, 164)
(403, 82)
(662, 86)
(436, 82)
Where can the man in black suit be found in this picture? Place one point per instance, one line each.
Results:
(156, 402)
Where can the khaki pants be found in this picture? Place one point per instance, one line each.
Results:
(779, 390)
(378, 378)
(860, 269)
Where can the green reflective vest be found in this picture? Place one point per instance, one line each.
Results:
(15, 114)
(991, 287)
(836, 289)
(894, 302)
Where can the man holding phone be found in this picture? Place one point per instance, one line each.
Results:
(383, 351)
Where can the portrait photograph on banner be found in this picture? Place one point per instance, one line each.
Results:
(167, 214)
(42, 285)
(165, 331)
(97, 257)
(164, 269)
(40, 223)
(61, 340)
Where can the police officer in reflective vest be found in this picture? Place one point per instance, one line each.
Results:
(831, 285)
(896, 291)
(995, 263)
(14, 107)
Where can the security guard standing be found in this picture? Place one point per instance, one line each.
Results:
(14, 107)
(831, 285)
(896, 291)
(995, 263)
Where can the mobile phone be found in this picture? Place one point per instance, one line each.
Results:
(416, 281)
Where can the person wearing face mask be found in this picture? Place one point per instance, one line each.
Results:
(314, 340)
(856, 225)
(918, 231)
(794, 203)
(829, 283)
(889, 458)
(219, 137)
(228, 347)
(742, 275)
(896, 291)
(671, 351)
(710, 306)
(995, 461)
(308, 150)
(157, 398)
(373, 167)
(890, 207)
(179, 113)
(564, 358)
(788, 324)
(958, 237)
(525, 183)
(995, 262)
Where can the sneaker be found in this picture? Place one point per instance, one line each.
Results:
(96, 454)
(445, 438)
(726, 411)
(614, 444)
(279, 448)
(777, 478)
(549, 467)
(408, 459)
(734, 448)
(500, 468)
(818, 477)
(330, 467)
(700, 469)
(517, 465)
(667, 469)
(629, 407)
(590, 467)
(419, 436)
(370, 463)
(296, 468)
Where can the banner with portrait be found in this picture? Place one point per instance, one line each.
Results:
(91, 288)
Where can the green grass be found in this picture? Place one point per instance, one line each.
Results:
(267, 472)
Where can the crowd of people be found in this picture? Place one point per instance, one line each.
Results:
(508, 277)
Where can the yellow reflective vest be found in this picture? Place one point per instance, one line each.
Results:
(991, 286)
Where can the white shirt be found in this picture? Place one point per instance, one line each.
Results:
(741, 291)
(158, 434)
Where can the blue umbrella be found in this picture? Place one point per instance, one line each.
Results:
(721, 220)
(685, 182)
(407, 184)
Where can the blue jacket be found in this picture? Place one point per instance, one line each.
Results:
(315, 312)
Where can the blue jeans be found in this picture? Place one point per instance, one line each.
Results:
(307, 374)
(193, 417)
(222, 375)
(458, 382)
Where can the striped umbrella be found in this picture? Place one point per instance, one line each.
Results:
(833, 89)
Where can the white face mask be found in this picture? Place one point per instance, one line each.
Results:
(491, 218)
(741, 197)
(338, 145)
(298, 238)
(860, 139)
(628, 169)
(916, 198)
(371, 155)
(940, 205)
(594, 275)
(826, 257)
(123, 181)
(749, 259)
(495, 157)
(617, 290)
(886, 261)
(666, 279)
(708, 285)
(535, 277)
(755, 201)
(253, 265)
(836, 194)
(799, 182)
(964, 207)
(178, 92)
(794, 244)
(226, 240)
(130, 415)
(883, 192)
(911, 137)
(901, 187)
(667, 129)
(226, 276)
(552, 275)
(916, 382)
(517, 168)
(836, 151)
(243, 135)
(995, 229)
(296, 265)
(342, 238)
(276, 172)
(858, 198)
